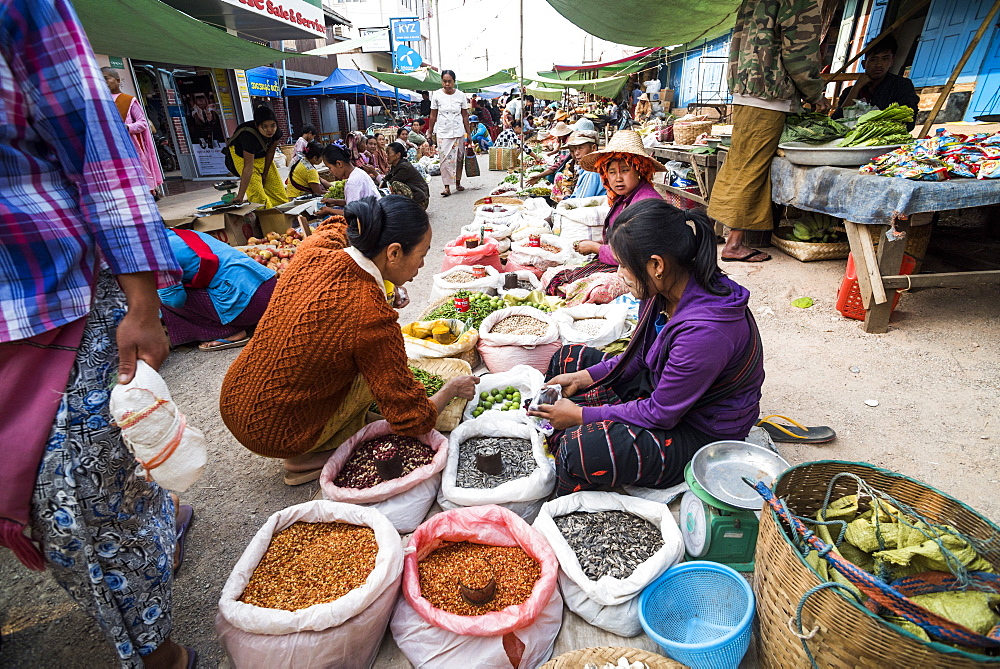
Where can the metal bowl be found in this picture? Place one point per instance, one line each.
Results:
(804, 153)
(719, 468)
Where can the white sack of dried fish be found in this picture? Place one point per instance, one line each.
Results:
(518, 336)
(524, 496)
(595, 325)
(609, 603)
(462, 277)
(345, 632)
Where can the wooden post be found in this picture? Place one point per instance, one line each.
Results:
(890, 257)
(943, 96)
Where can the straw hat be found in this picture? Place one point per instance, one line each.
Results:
(560, 130)
(581, 137)
(623, 141)
(562, 116)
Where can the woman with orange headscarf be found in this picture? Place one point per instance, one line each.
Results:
(626, 171)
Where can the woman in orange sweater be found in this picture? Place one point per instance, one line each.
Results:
(329, 344)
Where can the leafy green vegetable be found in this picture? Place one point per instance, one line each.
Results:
(811, 127)
(803, 302)
(881, 127)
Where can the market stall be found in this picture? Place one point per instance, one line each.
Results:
(867, 200)
(703, 166)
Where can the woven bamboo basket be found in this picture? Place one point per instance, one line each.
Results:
(918, 239)
(686, 132)
(847, 635)
(578, 659)
(446, 368)
(808, 251)
(503, 159)
(497, 199)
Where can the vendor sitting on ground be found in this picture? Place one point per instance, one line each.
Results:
(403, 178)
(249, 154)
(480, 135)
(557, 158)
(303, 179)
(692, 374)
(357, 184)
(879, 86)
(222, 293)
(586, 184)
(329, 344)
(626, 171)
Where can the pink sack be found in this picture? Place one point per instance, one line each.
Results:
(521, 635)
(512, 266)
(455, 253)
(404, 501)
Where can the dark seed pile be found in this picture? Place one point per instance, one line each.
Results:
(518, 461)
(611, 543)
(360, 471)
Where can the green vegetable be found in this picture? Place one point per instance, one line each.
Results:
(431, 383)
(813, 227)
(803, 302)
(811, 127)
(881, 127)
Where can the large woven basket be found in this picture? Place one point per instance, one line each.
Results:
(807, 251)
(578, 659)
(497, 199)
(503, 159)
(446, 368)
(686, 132)
(847, 635)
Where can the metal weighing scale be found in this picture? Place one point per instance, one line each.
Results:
(718, 519)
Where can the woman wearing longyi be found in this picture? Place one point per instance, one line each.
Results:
(329, 343)
(691, 375)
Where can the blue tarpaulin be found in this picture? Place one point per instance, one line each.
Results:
(351, 84)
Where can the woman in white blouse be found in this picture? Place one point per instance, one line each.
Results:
(450, 121)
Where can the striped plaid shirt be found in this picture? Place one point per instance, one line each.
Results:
(72, 192)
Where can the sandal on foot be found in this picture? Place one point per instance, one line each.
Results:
(796, 432)
(747, 257)
(459, 188)
(185, 514)
(298, 478)
(220, 344)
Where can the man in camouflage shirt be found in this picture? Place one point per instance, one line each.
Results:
(774, 62)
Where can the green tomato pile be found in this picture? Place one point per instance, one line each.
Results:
(501, 399)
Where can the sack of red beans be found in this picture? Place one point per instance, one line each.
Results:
(345, 632)
(351, 475)
(521, 635)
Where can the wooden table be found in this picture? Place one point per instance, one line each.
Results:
(863, 200)
(703, 165)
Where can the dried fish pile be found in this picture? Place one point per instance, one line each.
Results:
(609, 543)
(518, 461)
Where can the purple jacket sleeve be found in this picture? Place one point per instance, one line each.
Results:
(698, 354)
(602, 369)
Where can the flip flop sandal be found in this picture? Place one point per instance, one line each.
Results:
(298, 478)
(747, 257)
(185, 514)
(445, 194)
(224, 344)
(459, 188)
(192, 657)
(796, 432)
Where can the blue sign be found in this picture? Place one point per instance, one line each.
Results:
(263, 82)
(406, 30)
(406, 60)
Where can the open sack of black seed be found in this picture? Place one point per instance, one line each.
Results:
(609, 548)
(496, 460)
(479, 590)
(397, 475)
(315, 587)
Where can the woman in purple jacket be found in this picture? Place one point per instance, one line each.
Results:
(691, 375)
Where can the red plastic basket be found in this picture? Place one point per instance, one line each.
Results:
(849, 301)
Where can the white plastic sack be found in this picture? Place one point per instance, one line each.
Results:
(506, 215)
(429, 348)
(343, 633)
(579, 219)
(538, 208)
(614, 326)
(527, 380)
(522, 233)
(523, 496)
(538, 257)
(441, 287)
(609, 603)
(169, 451)
(522, 275)
(500, 231)
(501, 352)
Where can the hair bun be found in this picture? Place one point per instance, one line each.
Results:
(365, 223)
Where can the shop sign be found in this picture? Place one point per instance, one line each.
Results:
(406, 30)
(296, 12)
(116, 62)
(406, 60)
(263, 82)
(379, 45)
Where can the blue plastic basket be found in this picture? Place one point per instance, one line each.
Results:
(699, 613)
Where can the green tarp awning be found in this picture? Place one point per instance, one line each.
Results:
(428, 80)
(545, 93)
(607, 87)
(153, 30)
(645, 23)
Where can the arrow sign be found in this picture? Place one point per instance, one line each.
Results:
(406, 60)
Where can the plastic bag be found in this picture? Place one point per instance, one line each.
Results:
(522, 233)
(522, 275)
(614, 326)
(527, 380)
(343, 633)
(579, 219)
(504, 215)
(538, 208)
(538, 257)
(499, 231)
(404, 501)
(518, 636)
(523, 496)
(609, 603)
(455, 254)
(501, 352)
(418, 347)
(168, 450)
(442, 287)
